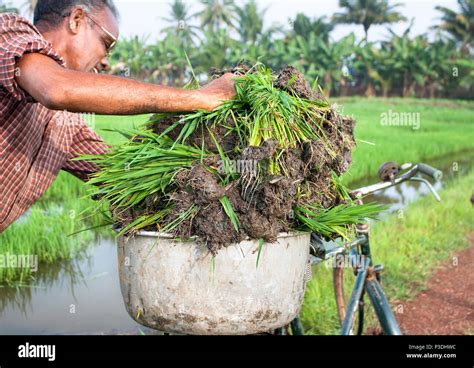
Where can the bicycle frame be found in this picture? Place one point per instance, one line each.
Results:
(368, 280)
(368, 276)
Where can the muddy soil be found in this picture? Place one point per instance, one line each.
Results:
(446, 306)
(263, 202)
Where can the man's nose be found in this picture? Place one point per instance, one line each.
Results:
(104, 64)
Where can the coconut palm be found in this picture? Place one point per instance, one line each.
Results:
(367, 13)
(250, 21)
(459, 25)
(180, 19)
(216, 14)
(303, 25)
(255, 41)
(215, 51)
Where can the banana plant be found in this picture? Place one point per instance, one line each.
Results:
(215, 51)
(133, 54)
(410, 65)
(168, 60)
(367, 73)
(325, 61)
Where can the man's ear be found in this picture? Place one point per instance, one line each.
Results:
(76, 20)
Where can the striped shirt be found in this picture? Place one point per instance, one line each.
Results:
(35, 142)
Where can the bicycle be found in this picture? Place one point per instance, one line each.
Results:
(367, 275)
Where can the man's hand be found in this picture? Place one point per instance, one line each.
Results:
(218, 91)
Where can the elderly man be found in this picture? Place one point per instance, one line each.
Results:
(46, 69)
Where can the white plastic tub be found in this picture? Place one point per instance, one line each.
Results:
(178, 287)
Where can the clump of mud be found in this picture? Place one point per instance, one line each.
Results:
(264, 205)
(291, 80)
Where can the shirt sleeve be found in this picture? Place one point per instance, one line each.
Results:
(86, 142)
(18, 37)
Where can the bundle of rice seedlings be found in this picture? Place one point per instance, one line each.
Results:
(266, 162)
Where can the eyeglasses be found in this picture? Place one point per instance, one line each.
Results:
(114, 39)
(108, 49)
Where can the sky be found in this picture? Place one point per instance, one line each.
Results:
(144, 17)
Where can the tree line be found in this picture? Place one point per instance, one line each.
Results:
(221, 34)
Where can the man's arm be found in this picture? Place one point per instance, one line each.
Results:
(58, 88)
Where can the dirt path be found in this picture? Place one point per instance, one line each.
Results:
(446, 307)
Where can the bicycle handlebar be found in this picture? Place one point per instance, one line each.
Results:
(409, 175)
(430, 171)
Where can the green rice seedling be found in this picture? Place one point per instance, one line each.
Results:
(229, 210)
(141, 168)
(145, 180)
(335, 220)
(260, 249)
(341, 189)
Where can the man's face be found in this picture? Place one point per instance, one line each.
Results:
(88, 43)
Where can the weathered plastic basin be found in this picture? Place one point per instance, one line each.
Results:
(178, 287)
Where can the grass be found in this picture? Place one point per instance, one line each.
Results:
(409, 247)
(443, 128)
(45, 228)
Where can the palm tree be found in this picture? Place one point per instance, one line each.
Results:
(216, 14)
(133, 55)
(250, 21)
(322, 60)
(367, 73)
(411, 60)
(303, 26)
(6, 7)
(439, 58)
(278, 55)
(459, 25)
(179, 18)
(168, 61)
(382, 68)
(215, 51)
(256, 42)
(367, 13)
